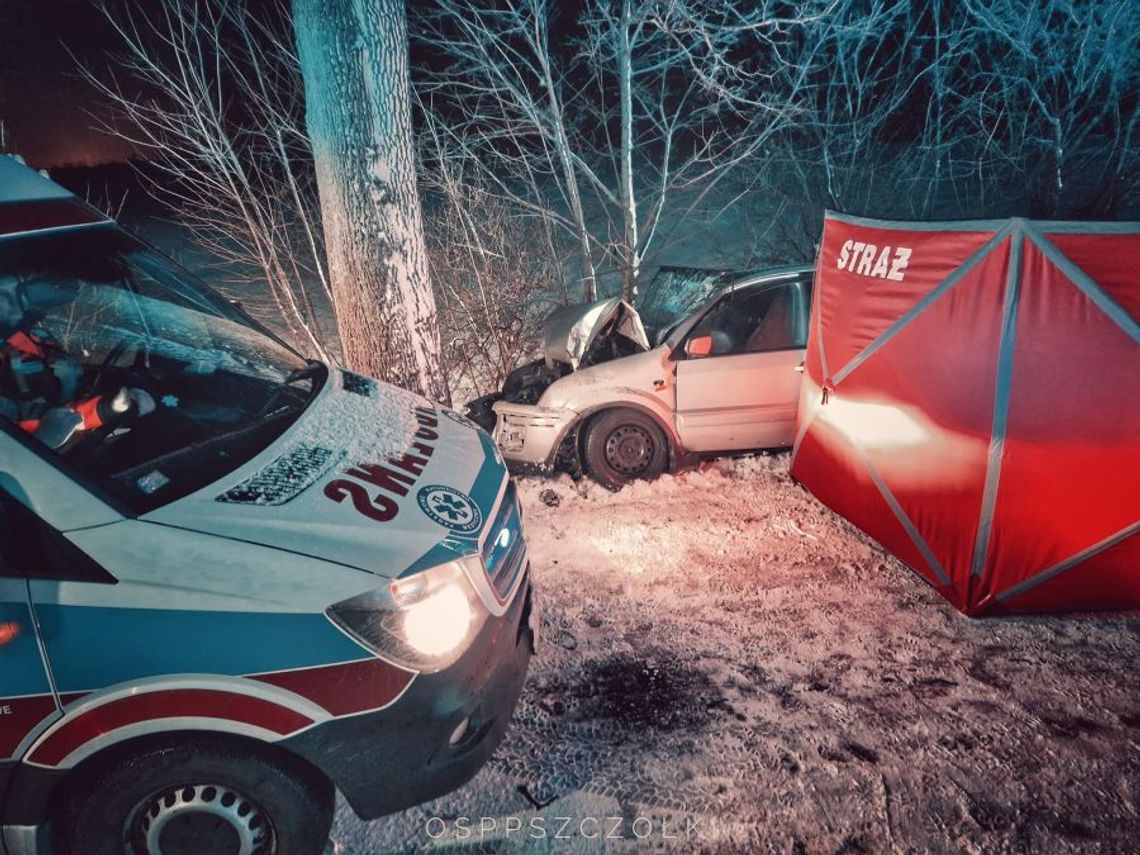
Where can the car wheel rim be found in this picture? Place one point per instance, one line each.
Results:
(629, 449)
(200, 819)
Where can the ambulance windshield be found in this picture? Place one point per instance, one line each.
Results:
(143, 381)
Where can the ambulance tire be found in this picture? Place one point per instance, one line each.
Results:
(184, 787)
(624, 445)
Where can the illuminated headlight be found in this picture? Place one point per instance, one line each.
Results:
(424, 621)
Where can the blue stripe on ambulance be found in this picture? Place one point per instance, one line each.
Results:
(21, 668)
(94, 646)
(484, 492)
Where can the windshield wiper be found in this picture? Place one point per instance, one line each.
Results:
(311, 371)
(314, 371)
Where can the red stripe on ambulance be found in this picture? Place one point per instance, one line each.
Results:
(173, 703)
(19, 716)
(345, 689)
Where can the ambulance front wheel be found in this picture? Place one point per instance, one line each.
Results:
(199, 797)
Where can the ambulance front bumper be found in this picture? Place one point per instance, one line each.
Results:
(439, 733)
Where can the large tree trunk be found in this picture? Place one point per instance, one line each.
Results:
(354, 59)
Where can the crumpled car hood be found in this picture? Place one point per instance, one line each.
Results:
(570, 332)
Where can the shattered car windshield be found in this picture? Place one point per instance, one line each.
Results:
(145, 382)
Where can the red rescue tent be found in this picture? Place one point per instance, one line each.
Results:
(971, 399)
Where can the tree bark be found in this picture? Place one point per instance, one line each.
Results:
(354, 60)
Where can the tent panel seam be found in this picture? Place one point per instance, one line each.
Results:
(801, 434)
(1085, 284)
(1125, 227)
(912, 532)
(909, 226)
(1069, 563)
(1001, 404)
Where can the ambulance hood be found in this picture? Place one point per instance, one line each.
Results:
(371, 477)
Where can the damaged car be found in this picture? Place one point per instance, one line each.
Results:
(722, 380)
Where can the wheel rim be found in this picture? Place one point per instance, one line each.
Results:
(629, 449)
(199, 819)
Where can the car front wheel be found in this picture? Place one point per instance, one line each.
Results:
(202, 797)
(624, 445)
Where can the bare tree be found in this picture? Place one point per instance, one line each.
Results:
(1054, 97)
(968, 109)
(495, 282)
(635, 121)
(323, 204)
(209, 92)
(501, 102)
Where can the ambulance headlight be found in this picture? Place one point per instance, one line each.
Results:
(424, 621)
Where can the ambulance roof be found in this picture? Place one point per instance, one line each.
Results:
(31, 202)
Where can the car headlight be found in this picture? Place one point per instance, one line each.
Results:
(424, 621)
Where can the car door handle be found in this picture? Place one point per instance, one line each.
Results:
(800, 368)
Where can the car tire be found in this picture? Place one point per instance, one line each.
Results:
(203, 796)
(624, 445)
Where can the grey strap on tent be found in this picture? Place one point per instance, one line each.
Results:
(1001, 402)
(1083, 282)
(1069, 563)
(817, 319)
(912, 532)
(1085, 228)
(923, 304)
(807, 422)
(907, 225)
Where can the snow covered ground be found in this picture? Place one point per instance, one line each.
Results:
(727, 666)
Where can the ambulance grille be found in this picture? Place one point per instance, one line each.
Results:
(283, 479)
(504, 555)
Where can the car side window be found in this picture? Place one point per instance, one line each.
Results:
(750, 322)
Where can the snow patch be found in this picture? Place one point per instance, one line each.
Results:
(719, 647)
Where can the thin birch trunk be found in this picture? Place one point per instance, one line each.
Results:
(632, 262)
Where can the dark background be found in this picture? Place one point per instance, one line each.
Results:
(50, 114)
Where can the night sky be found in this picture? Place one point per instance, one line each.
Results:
(45, 105)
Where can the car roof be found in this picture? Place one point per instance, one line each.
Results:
(765, 276)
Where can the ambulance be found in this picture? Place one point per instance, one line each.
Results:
(233, 581)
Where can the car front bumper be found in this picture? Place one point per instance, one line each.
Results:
(408, 753)
(528, 436)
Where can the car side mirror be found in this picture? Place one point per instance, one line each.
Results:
(699, 346)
